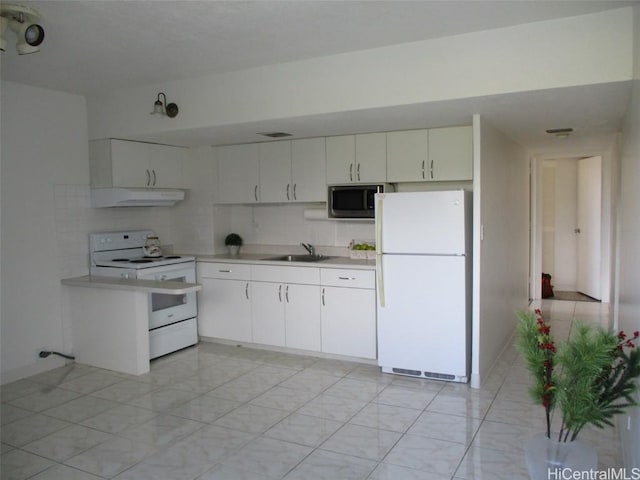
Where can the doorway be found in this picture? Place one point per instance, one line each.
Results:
(567, 229)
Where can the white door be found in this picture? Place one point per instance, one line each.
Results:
(589, 226)
(423, 325)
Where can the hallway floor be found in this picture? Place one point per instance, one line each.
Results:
(224, 412)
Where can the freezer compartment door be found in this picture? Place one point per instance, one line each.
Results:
(424, 324)
(422, 222)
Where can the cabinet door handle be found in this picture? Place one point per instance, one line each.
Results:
(431, 170)
(346, 278)
(224, 271)
(246, 290)
(358, 172)
(280, 293)
(286, 293)
(288, 198)
(323, 297)
(295, 196)
(255, 192)
(154, 177)
(423, 169)
(351, 172)
(148, 178)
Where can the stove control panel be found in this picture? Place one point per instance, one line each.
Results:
(100, 242)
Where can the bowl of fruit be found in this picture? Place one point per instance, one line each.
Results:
(362, 249)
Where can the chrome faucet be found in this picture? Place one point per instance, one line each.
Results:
(309, 248)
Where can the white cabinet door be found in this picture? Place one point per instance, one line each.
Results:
(371, 158)
(165, 164)
(308, 170)
(349, 321)
(224, 309)
(341, 158)
(407, 156)
(268, 304)
(238, 174)
(357, 158)
(130, 164)
(451, 153)
(275, 172)
(302, 317)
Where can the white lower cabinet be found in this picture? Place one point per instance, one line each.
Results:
(267, 322)
(302, 317)
(348, 314)
(328, 310)
(224, 303)
(285, 313)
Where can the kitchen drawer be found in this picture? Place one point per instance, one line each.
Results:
(285, 274)
(341, 277)
(230, 271)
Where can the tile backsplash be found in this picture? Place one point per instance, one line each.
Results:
(192, 226)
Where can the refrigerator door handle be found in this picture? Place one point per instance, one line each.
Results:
(379, 272)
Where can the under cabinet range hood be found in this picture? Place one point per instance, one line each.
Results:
(135, 197)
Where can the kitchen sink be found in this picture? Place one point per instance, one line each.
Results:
(298, 258)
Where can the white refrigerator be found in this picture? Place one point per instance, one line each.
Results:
(423, 242)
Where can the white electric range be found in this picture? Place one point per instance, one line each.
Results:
(173, 321)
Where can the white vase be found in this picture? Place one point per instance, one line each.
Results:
(233, 249)
(547, 458)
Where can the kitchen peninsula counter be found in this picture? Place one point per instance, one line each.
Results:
(110, 319)
(132, 284)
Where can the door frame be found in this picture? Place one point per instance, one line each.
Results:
(608, 224)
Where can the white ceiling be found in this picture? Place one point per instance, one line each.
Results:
(96, 46)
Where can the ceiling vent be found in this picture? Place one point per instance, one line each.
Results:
(560, 132)
(275, 134)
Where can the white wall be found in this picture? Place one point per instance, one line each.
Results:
(46, 216)
(501, 244)
(44, 143)
(587, 49)
(628, 262)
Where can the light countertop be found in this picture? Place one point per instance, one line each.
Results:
(116, 283)
(259, 258)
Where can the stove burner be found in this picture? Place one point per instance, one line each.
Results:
(141, 260)
(172, 257)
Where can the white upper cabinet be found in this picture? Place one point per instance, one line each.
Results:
(451, 153)
(407, 156)
(122, 163)
(166, 165)
(238, 174)
(275, 171)
(357, 158)
(439, 154)
(308, 170)
(292, 171)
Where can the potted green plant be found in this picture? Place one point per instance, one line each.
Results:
(589, 378)
(233, 242)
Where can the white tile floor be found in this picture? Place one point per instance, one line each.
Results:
(219, 412)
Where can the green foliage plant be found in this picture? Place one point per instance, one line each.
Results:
(233, 239)
(590, 377)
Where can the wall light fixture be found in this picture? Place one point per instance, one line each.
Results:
(161, 108)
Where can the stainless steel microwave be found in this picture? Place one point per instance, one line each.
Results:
(354, 201)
